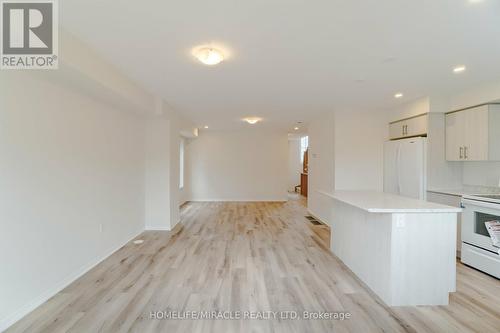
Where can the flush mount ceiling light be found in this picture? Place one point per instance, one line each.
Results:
(252, 120)
(205, 127)
(209, 56)
(459, 69)
(296, 128)
(398, 95)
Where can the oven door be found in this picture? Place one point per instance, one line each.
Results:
(473, 229)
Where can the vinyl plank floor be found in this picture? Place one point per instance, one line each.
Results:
(247, 257)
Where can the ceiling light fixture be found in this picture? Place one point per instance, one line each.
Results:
(252, 120)
(398, 95)
(296, 128)
(209, 56)
(205, 127)
(459, 69)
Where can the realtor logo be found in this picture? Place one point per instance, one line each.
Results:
(29, 34)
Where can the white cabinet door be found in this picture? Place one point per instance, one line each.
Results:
(455, 136)
(416, 126)
(397, 130)
(406, 128)
(476, 133)
(449, 200)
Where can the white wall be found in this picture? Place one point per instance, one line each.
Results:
(484, 93)
(359, 150)
(162, 175)
(79, 173)
(68, 164)
(245, 165)
(321, 176)
(157, 174)
(346, 153)
(482, 173)
(183, 192)
(82, 66)
(294, 163)
(410, 109)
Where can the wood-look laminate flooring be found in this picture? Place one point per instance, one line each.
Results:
(247, 257)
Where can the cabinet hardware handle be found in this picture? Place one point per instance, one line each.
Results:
(461, 152)
(465, 153)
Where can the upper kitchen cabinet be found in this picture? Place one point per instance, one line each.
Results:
(473, 134)
(409, 127)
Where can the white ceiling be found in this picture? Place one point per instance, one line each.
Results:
(290, 59)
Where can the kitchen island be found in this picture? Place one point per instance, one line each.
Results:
(401, 248)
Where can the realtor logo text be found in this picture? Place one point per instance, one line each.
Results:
(29, 34)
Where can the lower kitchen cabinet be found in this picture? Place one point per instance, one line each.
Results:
(454, 201)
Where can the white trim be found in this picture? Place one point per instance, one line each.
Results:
(150, 228)
(18, 314)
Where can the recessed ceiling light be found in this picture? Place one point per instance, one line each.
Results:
(209, 56)
(459, 69)
(205, 127)
(252, 120)
(398, 95)
(296, 128)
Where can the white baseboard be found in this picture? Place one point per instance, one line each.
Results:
(11, 319)
(150, 228)
(240, 200)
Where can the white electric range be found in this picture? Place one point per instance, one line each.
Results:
(477, 248)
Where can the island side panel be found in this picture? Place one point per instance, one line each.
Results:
(362, 240)
(423, 267)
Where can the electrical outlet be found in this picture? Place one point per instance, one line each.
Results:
(400, 222)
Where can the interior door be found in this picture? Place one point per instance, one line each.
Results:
(411, 166)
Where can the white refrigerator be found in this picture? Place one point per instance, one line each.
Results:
(405, 167)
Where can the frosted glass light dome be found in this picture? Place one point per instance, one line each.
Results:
(209, 56)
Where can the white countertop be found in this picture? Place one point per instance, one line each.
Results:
(379, 202)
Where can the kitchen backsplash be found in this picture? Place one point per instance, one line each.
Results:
(482, 173)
